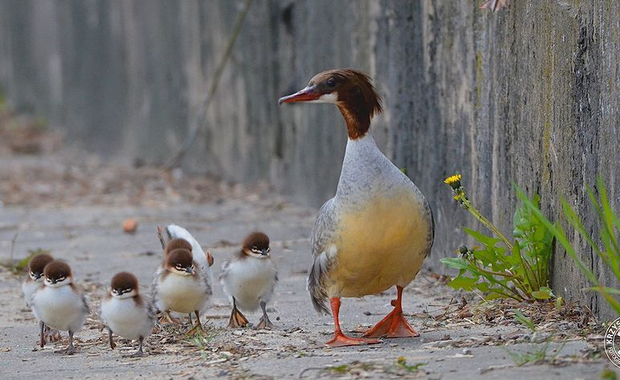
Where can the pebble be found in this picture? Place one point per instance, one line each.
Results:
(539, 337)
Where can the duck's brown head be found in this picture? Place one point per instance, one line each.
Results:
(180, 261)
(58, 273)
(37, 264)
(124, 285)
(351, 90)
(256, 245)
(177, 243)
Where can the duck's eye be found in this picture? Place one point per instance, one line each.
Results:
(331, 82)
(61, 279)
(32, 274)
(179, 267)
(268, 249)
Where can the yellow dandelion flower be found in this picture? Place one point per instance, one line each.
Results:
(453, 179)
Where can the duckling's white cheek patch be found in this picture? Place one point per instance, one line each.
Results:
(327, 98)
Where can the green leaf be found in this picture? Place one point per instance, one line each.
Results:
(494, 295)
(461, 282)
(486, 256)
(527, 322)
(482, 238)
(466, 283)
(605, 289)
(455, 262)
(541, 295)
(559, 234)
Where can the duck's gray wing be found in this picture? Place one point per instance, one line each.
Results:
(154, 296)
(207, 280)
(151, 311)
(322, 232)
(85, 307)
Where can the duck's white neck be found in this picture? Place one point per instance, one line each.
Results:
(361, 147)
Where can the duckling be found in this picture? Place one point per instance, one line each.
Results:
(59, 304)
(125, 312)
(31, 284)
(180, 285)
(174, 237)
(35, 277)
(248, 279)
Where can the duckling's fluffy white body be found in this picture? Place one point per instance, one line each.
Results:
(249, 280)
(181, 293)
(128, 318)
(60, 307)
(29, 288)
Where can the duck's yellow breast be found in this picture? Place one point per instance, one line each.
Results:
(379, 245)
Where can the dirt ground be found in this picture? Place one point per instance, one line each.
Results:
(75, 209)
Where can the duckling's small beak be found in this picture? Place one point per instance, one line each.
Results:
(264, 252)
(190, 271)
(305, 95)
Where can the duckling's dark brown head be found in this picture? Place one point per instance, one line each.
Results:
(180, 261)
(124, 285)
(37, 264)
(351, 90)
(177, 243)
(256, 245)
(58, 273)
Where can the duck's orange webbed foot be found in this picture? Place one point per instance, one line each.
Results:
(341, 340)
(394, 325)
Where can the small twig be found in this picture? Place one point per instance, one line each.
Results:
(495, 367)
(301, 375)
(200, 124)
(13, 248)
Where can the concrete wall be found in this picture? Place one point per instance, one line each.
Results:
(526, 95)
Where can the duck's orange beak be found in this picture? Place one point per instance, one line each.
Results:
(305, 95)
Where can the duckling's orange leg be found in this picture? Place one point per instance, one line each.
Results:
(237, 319)
(340, 339)
(394, 325)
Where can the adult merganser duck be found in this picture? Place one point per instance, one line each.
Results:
(377, 230)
